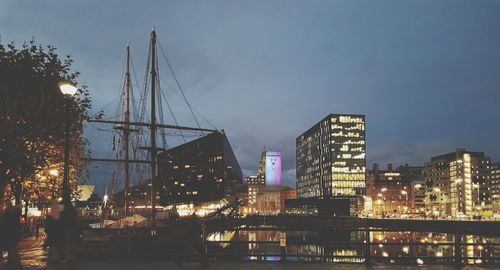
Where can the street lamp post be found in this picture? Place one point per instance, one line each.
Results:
(68, 89)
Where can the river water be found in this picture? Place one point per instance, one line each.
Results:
(350, 247)
(330, 249)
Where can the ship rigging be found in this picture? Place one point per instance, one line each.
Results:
(135, 148)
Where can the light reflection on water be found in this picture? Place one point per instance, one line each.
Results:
(347, 246)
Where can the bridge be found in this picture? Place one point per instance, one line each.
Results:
(319, 223)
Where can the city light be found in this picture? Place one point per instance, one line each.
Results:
(67, 88)
(54, 172)
(424, 206)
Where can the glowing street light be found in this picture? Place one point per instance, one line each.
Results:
(105, 199)
(68, 89)
(54, 172)
(480, 248)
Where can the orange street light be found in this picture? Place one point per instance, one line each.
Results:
(54, 172)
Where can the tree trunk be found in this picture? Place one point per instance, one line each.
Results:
(17, 190)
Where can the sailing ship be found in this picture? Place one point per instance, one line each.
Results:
(139, 153)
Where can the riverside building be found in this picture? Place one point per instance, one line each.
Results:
(202, 170)
(458, 183)
(331, 158)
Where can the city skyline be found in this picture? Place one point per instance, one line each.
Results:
(426, 85)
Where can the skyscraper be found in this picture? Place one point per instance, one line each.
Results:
(331, 158)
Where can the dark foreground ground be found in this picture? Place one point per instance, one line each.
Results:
(34, 257)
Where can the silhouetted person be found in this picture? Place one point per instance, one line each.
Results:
(54, 229)
(70, 231)
(37, 228)
(12, 234)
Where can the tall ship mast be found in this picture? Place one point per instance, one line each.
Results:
(131, 121)
(154, 152)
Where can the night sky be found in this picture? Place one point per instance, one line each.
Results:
(425, 73)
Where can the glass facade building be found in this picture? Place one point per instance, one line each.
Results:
(458, 183)
(202, 170)
(331, 158)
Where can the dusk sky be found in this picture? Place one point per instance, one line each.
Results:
(425, 73)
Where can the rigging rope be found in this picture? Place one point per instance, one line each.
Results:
(178, 84)
(194, 108)
(171, 112)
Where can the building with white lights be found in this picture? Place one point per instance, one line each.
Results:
(458, 183)
(331, 158)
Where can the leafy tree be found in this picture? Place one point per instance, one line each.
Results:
(32, 121)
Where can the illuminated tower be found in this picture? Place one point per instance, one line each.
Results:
(331, 158)
(270, 167)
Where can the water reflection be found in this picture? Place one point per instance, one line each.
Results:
(349, 246)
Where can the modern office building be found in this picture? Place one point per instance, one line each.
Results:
(458, 183)
(270, 167)
(202, 170)
(331, 158)
(495, 186)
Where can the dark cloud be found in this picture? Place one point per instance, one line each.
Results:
(424, 72)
